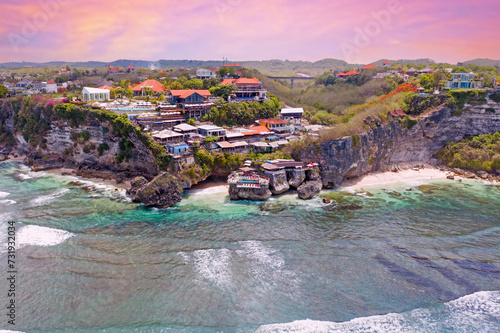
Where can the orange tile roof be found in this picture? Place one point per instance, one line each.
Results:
(353, 72)
(130, 67)
(107, 87)
(153, 84)
(370, 66)
(255, 130)
(235, 65)
(273, 121)
(245, 80)
(386, 63)
(51, 81)
(227, 81)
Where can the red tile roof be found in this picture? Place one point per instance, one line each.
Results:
(227, 81)
(107, 87)
(130, 67)
(245, 80)
(255, 130)
(397, 113)
(386, 63)
(370, 66)
(153, 84)
(51, 81)
(273, 121)
(235, 65)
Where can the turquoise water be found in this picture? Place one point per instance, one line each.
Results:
(91, 261)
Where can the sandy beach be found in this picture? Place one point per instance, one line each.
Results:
(406, 174)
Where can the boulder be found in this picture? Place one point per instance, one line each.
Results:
(313, 174)
(296, 177)
(163, 191)
(309, 189)
(2, 157)
(277, 181)
(135, 185)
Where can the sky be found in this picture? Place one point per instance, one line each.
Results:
(358, 31)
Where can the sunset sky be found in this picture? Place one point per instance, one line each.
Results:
(358, 31)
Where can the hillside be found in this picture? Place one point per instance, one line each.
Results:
(425, 61)
(482, 62)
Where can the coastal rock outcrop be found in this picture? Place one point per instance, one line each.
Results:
(296, 177)
(261, 194)
(309, 189)
(163, 191)
(277, 182)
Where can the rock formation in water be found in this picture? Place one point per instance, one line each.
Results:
(261, 194)
(163, 191)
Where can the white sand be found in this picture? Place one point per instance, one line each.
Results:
(405, 175)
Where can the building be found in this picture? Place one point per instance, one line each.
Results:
(178, 149)
(141, 88)
(95, 94)
(346, 74)
(462, 81)
(130, 69)
(396, 114)
(411, 71)
(211, 130)
(367, 67)
(185, 129)
(247, 89)
(293, 115)
(386, 64)
(278, 126)
(112, 70)
(167, 136)
(193, 103)
(204, 73)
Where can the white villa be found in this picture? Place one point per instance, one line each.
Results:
(95, 94)
(462, 81)
(203, 73)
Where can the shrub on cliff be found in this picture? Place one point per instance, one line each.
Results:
(478, 153)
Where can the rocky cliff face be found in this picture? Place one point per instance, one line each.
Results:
(393, 144)
(277, 182)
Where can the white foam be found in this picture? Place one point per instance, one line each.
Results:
(7, 202)
(213, 265)
(263, 254)
(471, 313)
(41, 236)
(30, 175)
(4, 194)
(44, 198)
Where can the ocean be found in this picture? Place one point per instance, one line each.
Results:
(381, 260)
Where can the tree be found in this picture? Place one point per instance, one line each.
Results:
(194, 84)
(459, 69)
(223, 91)
(176, 86)
(209, 83)
(3, 91)
(427, 81)
(226, 71)
(191, 122)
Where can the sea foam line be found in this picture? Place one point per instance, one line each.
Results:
(44, 198)
(471, 313)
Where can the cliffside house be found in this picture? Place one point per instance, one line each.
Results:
(247, 89)
(130, 69)
(141, 88)
(278, 126)
(185, 129)
(293, 115)
(462, 81)
(95, 94)
(167, 136)
(212, 130)
(386, 64)
(204, 73)
(396, 114)
(178, 149)
(367, 67)
(193, 103)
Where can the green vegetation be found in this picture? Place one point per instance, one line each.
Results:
(356, 140)
(458, 98)
(243, 113)
(478, 153)
(191, 122)
(413, 104)
(408, 122)
(3, 91)
(102, 147)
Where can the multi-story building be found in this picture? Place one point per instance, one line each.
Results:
(462, 81)
(247, 89)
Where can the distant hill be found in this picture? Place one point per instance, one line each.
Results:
(268, 67)
(482, 62)
(425, 61)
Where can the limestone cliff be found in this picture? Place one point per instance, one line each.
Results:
(393, 144)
